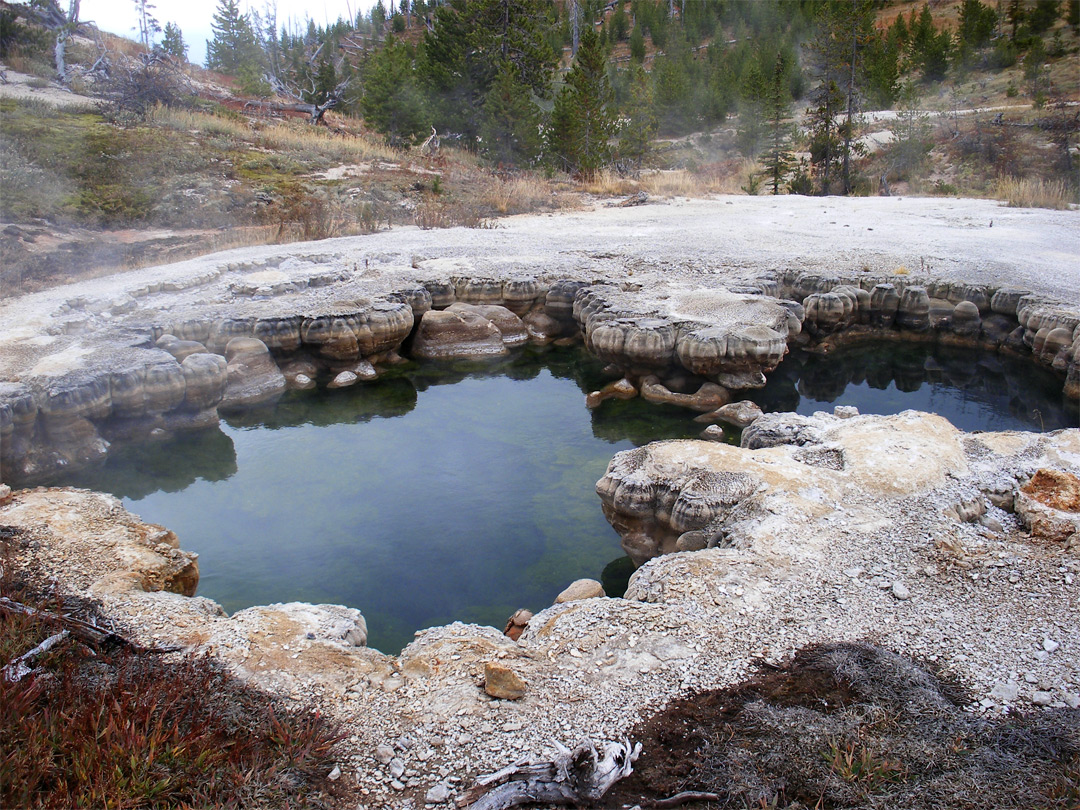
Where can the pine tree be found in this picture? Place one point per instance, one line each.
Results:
(637, 45)
(326, 80)
(912, 141)
(635, 140)
(510, 132)
(753, 92)
(582, 120)
(778, 157)
(234, 49)
(845, 30)
(392, 102)
(977, 23)
(470, 43)
(173, 42)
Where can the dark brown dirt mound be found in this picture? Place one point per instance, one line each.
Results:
(853, 726)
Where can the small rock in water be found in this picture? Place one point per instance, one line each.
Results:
(364, 370)
(713, 433)
(343, 380)
(502, 682)
(740, 414)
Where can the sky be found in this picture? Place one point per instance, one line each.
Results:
(194, 16)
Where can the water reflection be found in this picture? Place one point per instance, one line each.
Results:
(973, 390)
(138, 470)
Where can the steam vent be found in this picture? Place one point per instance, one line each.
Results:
(959, 548)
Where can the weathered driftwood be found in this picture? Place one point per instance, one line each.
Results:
(87, 633)
(574, 778)
(19, 669)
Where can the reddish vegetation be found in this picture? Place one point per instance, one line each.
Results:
(113, 727)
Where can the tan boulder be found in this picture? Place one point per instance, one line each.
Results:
(502, 682)
(580, 589)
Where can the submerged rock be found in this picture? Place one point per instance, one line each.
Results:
(253, 376)
(738, 414)
(457, 333)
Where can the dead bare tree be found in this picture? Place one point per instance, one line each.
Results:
(50, 16)
(431, 145)
(155, 78)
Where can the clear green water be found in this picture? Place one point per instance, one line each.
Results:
(465, 491)
(451, 492)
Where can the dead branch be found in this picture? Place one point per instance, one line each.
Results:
(90, 634)
(679, 799)
(573, 778)
(17, 669)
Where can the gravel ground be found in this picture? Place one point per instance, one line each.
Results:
(996, 610)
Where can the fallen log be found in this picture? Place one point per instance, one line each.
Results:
(575, 777)
(89, 634)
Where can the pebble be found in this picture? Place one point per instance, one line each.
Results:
(1050, 645)
(1005, 692)
(1042, 698)
(397, 768)
(384, 753)
(900, 591)
(438, 794)
(335, 774)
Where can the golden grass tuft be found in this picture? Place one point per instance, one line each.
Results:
(1024, 192)
(607, 183)
(722, 178)
(519, 194)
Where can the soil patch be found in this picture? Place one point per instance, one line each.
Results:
(852, 726)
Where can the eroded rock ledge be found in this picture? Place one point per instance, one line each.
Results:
(898, 529)
(167, 351)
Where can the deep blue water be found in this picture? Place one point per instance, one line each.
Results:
(465, 491)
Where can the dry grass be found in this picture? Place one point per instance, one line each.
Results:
(193, 121)
(607, 183)
(287, 136)
(517, 194)
(719, 178)
(301, 137)
(1024, 192)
